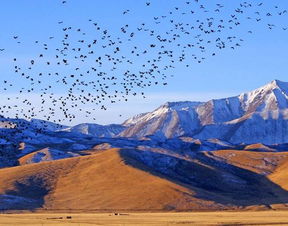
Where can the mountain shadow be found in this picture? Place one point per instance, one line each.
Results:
(211, 179)
(26, 195)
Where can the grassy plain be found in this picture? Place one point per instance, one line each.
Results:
(149, 219)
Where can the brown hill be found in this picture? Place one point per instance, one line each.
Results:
(123, 179)
(280, 175)
(100, 181)
(258, 147)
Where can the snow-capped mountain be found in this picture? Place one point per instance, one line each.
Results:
(96, 130)
(170, 120)
(257, 116)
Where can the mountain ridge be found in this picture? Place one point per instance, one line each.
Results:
(246, 118)
(225, 116)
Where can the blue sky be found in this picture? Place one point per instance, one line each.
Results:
(261, 58)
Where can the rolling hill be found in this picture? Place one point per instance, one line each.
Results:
(130, 179)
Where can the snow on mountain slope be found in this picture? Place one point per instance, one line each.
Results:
(169, 120)
(44, 155)
(273, 96)
(97, 130)
(47, 125)
(257, 116)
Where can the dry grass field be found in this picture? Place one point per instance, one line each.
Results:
(155, 219)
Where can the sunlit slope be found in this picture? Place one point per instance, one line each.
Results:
(260, 162)
(280, 176)
(100, 181)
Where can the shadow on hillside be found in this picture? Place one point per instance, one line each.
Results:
(211, 179)
(28, 194)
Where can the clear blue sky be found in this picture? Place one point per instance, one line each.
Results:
(261, 58)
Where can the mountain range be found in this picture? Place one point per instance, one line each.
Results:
(259, 116)
(229, 153)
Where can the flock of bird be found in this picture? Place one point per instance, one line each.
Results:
(98, 67)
